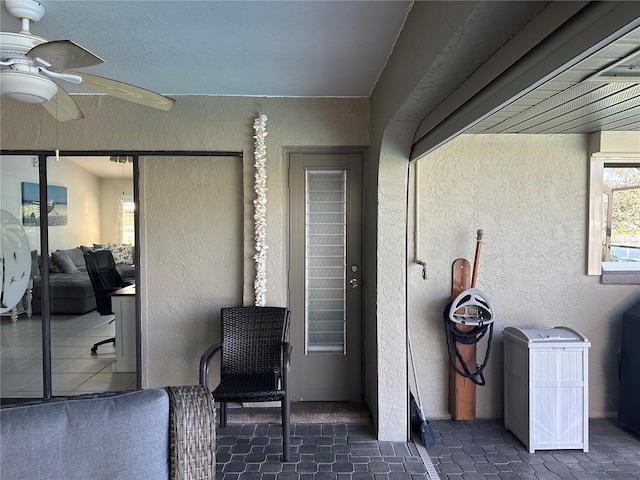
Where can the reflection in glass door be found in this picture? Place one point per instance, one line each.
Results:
(89, 206)
(96, 216)
(21, 359)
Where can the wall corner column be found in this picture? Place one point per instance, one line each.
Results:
(391, 298)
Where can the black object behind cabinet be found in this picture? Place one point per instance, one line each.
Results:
(629, 395)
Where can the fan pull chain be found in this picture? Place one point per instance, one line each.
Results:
(57, 144)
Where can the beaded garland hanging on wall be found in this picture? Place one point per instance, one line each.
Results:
(260, 210)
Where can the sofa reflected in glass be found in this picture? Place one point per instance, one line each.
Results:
(70, 289)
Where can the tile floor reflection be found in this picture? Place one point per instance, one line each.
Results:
(75, 370)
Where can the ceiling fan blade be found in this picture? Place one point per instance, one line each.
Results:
(125, 91)
(63, 107)
(63, 54)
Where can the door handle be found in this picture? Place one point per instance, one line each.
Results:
(353, 282)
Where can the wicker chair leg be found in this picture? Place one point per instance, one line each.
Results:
(223, 414)
(286, 428)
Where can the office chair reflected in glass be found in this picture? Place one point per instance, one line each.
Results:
(255, 361)
(105, 280)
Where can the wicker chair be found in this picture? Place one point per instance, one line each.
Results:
(254, 363)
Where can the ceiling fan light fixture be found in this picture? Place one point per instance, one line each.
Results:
(121, 159)
(29, 9)
(26, 87)
(32, 62)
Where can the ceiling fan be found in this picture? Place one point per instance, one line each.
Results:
(29, 63)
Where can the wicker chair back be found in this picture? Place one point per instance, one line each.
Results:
(252, 339)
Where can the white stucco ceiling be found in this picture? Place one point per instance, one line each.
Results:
(317, 48)
(248, 48)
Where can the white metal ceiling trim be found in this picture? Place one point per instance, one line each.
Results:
(583, 99)
(597, 25)
(528, 39)
(557, 93)
(520, 119)
(603, 121)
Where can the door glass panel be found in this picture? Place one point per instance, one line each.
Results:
(325, 271)
(20, 327)
(99, 200)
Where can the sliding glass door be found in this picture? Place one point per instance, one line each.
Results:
(86, 203)
(21, 352)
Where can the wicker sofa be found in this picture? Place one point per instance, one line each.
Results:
(144, 434)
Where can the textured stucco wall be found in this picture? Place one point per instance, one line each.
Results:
(529, 195)
(441, 45)
(203, 124)
(191, 213)
(392, 295)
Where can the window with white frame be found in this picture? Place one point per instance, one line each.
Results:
(614, 215)
(621, 213)
(126, 221)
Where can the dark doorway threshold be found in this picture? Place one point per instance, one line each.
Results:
(302, 412)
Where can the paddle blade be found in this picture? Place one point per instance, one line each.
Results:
(125, 91)
(62, 54)
(63, 107)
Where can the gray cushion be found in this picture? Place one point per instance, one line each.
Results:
(126, 271)
(125, 436)
(64, 262)
(77, 256)
(69, 293)
(53, 266)
(77, 285)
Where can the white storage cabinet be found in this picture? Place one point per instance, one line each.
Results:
(546, 387)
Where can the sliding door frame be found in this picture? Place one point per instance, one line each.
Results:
(44, 237)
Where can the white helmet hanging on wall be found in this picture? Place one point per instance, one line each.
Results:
(471, 307)
(467, 320)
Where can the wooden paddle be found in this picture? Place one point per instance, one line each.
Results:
(462, 391)
(476, 259)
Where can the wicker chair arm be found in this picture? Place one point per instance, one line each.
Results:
(204, 362)
(192, 433)
(286, 357)
(286, 352)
